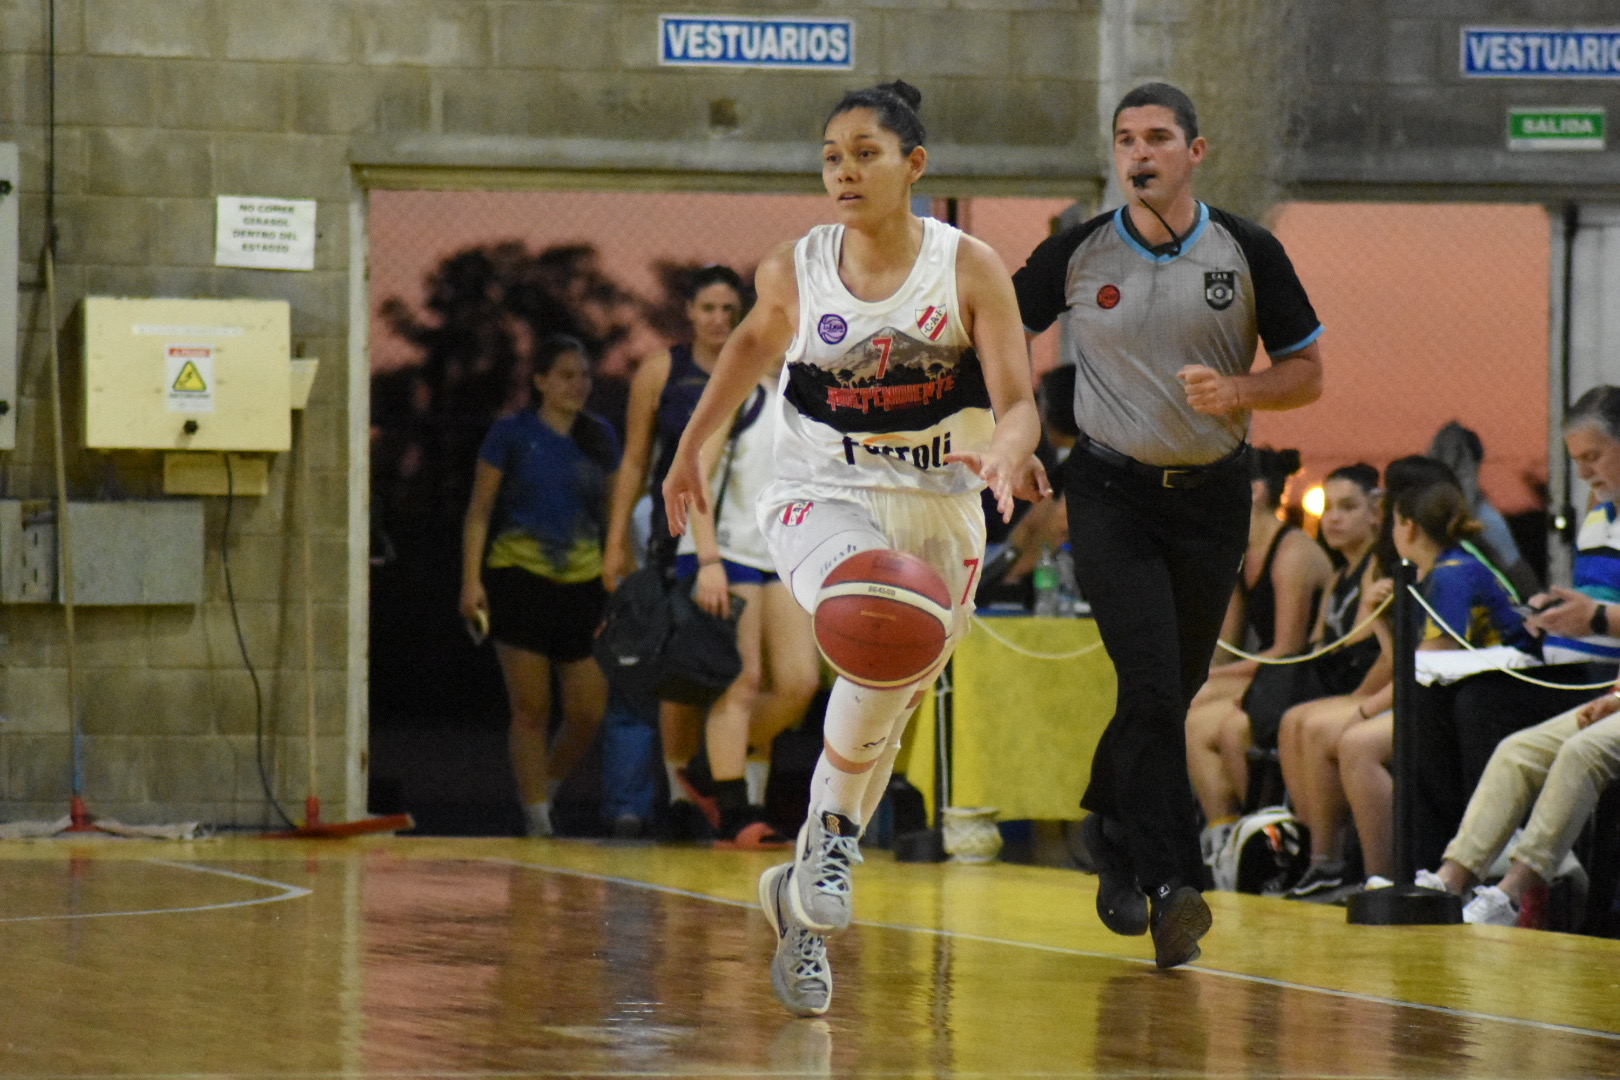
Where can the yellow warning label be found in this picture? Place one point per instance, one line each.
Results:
(190, 380)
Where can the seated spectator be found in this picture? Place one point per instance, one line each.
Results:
(1459, 724)
(1555, 772)
(1576, 625)
(1462, 452)
(1430, 523)
(1273, 609)
(1272, 712)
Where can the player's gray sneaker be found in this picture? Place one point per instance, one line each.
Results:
(828, 849)
(800, 975)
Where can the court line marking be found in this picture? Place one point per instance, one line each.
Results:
(288, 892)
(1540, 1025)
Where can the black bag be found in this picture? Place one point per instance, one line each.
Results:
(635, 625)
(655, 639)
(700, 657)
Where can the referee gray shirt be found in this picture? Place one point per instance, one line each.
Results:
(1136, 315)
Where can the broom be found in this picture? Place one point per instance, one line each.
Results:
(79, 821)
(313, 826)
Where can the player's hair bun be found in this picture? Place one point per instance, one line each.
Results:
(905, 92)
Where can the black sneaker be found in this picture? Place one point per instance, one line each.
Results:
(682, 822)
(1318, 880)
(1180, 917)
(1121, 905)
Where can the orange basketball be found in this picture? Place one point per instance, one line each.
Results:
(882, 618)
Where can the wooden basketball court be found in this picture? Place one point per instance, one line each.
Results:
(507, 958)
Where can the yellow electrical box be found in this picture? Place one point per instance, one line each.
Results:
(187, 374)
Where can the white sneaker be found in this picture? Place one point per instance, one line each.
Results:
(1428, 879)
(1491, 907)
(1377, 881)
(820, 889)
(800, 975)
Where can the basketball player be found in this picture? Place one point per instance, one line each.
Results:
(905, 391)
(1164, 301)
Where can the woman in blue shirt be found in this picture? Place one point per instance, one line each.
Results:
(1431, 523)
(532, 567)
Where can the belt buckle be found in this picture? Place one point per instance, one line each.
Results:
(1170, 477)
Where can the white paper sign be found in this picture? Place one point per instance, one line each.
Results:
(265, 234)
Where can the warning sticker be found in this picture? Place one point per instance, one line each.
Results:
(190, 378)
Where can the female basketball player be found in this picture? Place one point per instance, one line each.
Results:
(901, 336)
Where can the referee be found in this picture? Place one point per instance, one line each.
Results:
(1164, 301)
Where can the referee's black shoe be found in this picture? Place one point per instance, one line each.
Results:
(1121, 904)
(1180, 917)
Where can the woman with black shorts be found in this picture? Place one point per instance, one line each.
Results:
(532, 567)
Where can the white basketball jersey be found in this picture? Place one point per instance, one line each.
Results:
(874, 395)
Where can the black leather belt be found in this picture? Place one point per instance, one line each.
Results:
(1170, 476)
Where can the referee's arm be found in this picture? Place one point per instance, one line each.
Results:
(1291, 382)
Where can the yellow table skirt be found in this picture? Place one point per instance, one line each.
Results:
(1031, 697)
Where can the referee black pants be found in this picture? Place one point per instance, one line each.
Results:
(1158, 566)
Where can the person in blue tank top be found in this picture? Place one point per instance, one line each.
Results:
(532, 567)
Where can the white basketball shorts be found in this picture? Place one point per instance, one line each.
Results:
(811, 528)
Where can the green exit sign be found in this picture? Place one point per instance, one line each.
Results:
(1555, 129)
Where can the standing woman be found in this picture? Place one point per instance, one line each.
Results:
(663, 393)
(781, 669)
(899, 332)
(531, 565)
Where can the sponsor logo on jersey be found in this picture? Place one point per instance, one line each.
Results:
(889, 398)
(1108, 297)
(931, 321)
(796, 512)
(1220, 286)
(832, 328)
(924, 456)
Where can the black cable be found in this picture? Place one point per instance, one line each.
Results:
(50, 128)
(1174, 246)
(241, 643)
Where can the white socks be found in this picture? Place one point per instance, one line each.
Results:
(756, 773)
(858, 731)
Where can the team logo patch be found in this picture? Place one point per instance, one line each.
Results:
(796, 512)
(931, 321)
(832, 329)
(1220, 286)
(1108, 296)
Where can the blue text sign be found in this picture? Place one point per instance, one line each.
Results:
(740, 41)
(1541, 54)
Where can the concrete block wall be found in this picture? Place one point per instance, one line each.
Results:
(1388, 110)
(162, 105)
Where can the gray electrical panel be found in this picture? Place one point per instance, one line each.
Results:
(124, 553)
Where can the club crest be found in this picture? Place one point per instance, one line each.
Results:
(931, 321)
(1220, 286)
(832, 329)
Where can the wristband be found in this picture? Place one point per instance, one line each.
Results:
(1600, 619)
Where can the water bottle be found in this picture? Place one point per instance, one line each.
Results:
(1045, 579)
(1070, 602)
